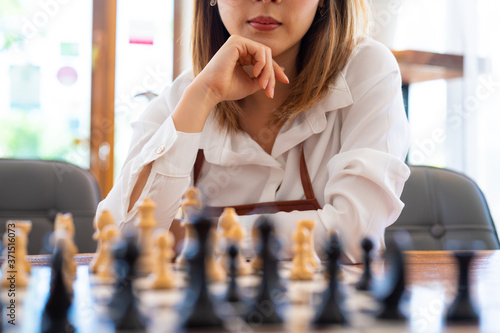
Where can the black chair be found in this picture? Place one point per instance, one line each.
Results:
(441, 206)
(37, 190)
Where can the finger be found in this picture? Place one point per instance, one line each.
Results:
(251, 53)
(272, 79)
(262, 69)
(259, 56)
(257, 68)
(253, 83)
(267, 72)
(279, 73)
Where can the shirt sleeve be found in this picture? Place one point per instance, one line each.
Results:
(366, 177)
(173, 153)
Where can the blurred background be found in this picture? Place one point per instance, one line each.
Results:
(75, 74)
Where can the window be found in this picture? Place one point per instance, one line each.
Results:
(45, 72)
(144, 63)
(455, 123)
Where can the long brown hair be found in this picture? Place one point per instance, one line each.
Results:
(324, 51)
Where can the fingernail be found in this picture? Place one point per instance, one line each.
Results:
(272, 93)
(265, 84)
(287, 79)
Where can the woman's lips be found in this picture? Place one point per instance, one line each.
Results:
(264, 23)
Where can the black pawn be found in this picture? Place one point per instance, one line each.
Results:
(365, 283)
(395, 284)
(198, 307)
(265, 309)
(462, 309)
(232, 294)
(123, 304)
(55, 315)
(329, 312)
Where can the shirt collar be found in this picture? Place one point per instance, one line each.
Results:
(238, 148)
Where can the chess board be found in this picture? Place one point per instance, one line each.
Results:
(431, 288)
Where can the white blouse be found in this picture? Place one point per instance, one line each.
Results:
(355, 142)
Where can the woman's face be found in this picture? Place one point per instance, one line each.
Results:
(278, 24)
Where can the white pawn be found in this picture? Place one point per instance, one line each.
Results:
(145, 224)
(163, 252)
(313, 258)
(301, 269)
(105, 269)
(191, 206)
(104, 219)
(227, 220)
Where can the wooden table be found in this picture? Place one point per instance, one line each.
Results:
(421, 66)
(432, 284)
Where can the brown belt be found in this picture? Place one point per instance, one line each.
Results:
(309, 203)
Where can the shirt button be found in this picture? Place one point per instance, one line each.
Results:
(160, 149)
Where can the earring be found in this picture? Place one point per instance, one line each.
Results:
(213, 2)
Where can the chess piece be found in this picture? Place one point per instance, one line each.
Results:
(189, 235)
(232, 293)
(104, 219)
(235, 235)
(65, 222)
(15, 243)
(25, 226)
(123, 304)
(256, 262)
(313, 258)
(145, 224)
(61, 238)
(55, 314)
(392, 292)
(462, 309)
(227, 220)
(163, 252)
(301, 269)
(198, 310)
(365, 282)
(191, 207)
(329, 311)
(215, 269)
(265, 308)
(108, 236)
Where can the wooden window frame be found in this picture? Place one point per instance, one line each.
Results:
(102, 113)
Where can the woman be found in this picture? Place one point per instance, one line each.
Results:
(290, 107)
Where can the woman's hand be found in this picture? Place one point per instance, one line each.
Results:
(225, 77)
